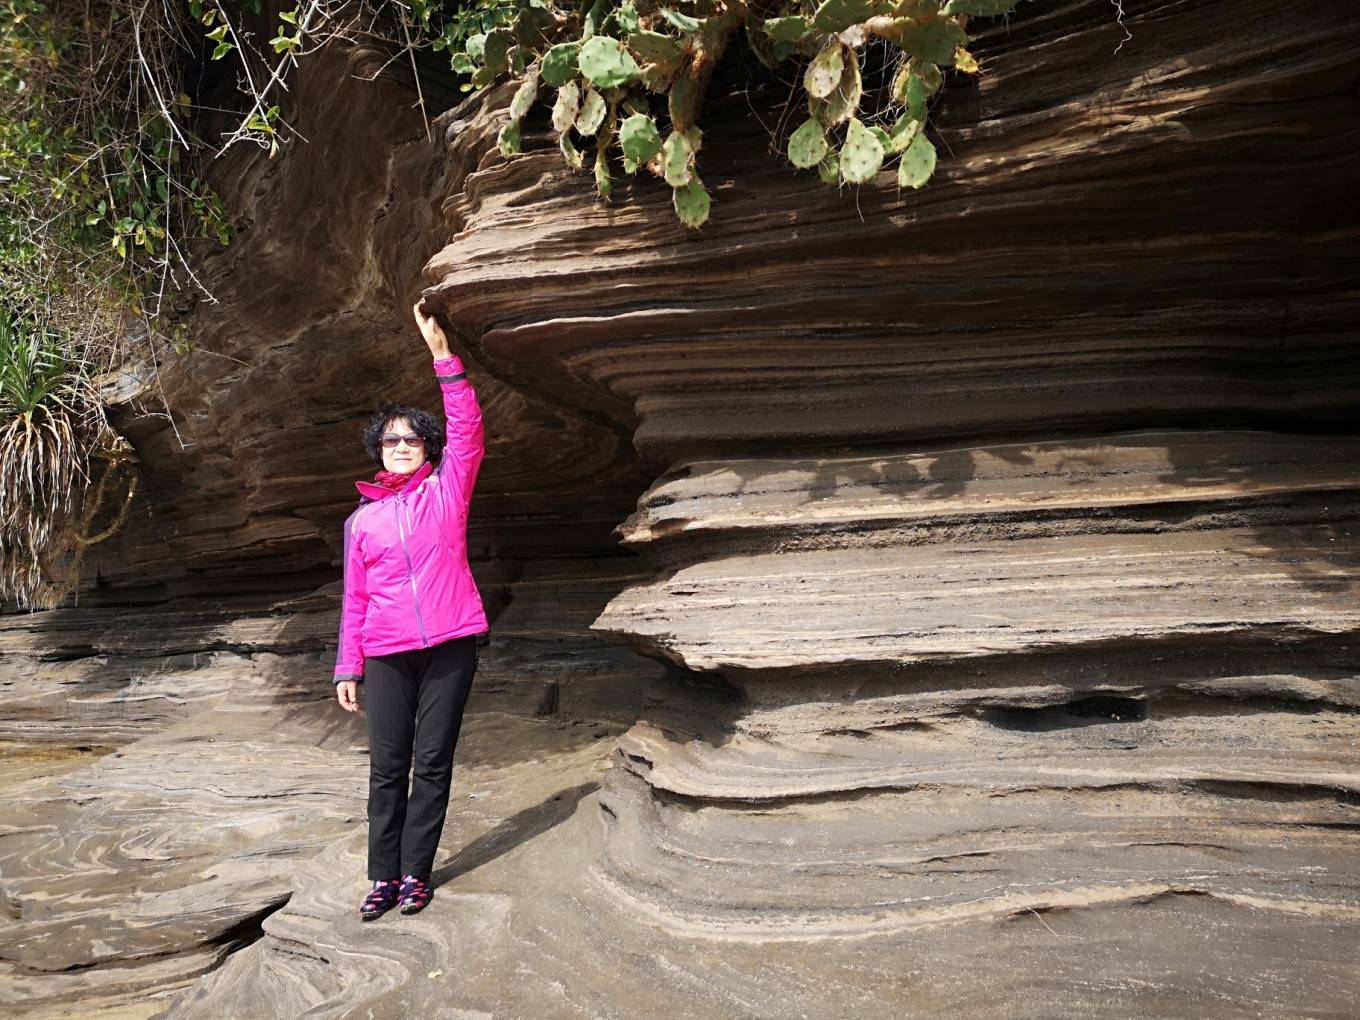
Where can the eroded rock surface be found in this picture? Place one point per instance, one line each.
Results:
(976, 636)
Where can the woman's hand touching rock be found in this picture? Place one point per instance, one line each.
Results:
(431, 331)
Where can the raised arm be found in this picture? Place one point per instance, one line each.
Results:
(464, 433)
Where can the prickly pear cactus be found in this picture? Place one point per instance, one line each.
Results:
(607, 62)
(918, 163)
(622, 70)
(861, 155)
(677, 157)
(807, 145)
(692, 203)
(639, 138)
(591, 115)
(508, 140)
(566, 108)
(823, 74)
(524, 97)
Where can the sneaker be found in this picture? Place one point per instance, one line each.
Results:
(380, 899)
(415, 894)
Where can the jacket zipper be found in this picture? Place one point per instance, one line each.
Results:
(410, 570)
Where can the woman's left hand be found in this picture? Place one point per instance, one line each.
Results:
(432, 332)
(347, 693)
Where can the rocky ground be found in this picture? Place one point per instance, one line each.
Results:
(935, 603)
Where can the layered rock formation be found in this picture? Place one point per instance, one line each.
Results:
(990, 649)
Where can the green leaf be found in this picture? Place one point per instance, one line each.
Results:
(841, 105)
(918, 163)
(807, 145)
(591, 114)
(532, 26)
(789, 29)
(904, 132)
(639, 138)
(606, 62)
(625, 17)
(595, 18)
(692, 203)
(560, 63)
(676, 158)
(524, 97)
(221, 50)
(681, 21)
(829, 169)
(508, 140)
(823, 73)
(655, 47)
(838, 15)
(569, 152)
(861, 155)
(496, 49)
(935, 41)
(566, 107)
(917, 91)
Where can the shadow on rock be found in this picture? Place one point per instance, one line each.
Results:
(518, 828)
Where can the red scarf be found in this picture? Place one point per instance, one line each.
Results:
(394, 480)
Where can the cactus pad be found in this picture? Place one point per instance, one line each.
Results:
(692, 203)
(560, 63)
(508, 139)
(861, 155)
(676, 158)
(591, 115)
(807, 145)
(524, 97)
(607, 63)
(567, 106)
(918, 163)
(655, 47)
(824, 72)
(639, 138)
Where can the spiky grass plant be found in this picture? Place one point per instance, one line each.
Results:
(51, 429)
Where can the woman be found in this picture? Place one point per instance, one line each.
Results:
(409, 623)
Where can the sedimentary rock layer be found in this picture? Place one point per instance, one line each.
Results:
(1008, 528)
(1112, 241)
(982, 680)
(997, 567)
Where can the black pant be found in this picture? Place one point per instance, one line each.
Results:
(415, 706)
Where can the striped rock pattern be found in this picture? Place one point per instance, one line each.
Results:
(977, 636)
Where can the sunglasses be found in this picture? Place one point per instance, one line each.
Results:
(391, 439)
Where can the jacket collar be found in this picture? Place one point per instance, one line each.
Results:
(372, 490)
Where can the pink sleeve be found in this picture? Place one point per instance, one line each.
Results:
(349, 660)
(465, 436)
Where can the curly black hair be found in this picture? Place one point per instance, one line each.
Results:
(421, 423)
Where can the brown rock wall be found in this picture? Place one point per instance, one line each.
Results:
(997, 547)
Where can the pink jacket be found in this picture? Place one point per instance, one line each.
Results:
(407, 581)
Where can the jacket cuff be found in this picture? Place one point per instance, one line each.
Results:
(446, 367)
(340, 677)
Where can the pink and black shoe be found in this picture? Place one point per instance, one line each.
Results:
(381, 898)
(415, 894)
